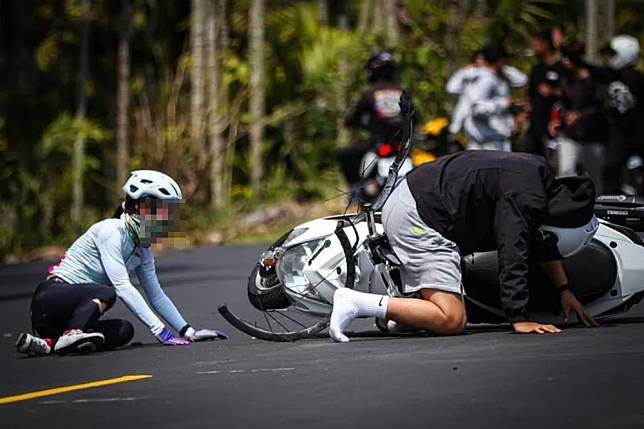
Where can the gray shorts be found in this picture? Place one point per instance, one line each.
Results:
(429, 260)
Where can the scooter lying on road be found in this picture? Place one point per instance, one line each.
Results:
(300, 272)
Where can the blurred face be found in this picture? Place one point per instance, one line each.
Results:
(539, 46)
(479, 61)
(157, 218)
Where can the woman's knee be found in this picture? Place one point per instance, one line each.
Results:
(105, 298)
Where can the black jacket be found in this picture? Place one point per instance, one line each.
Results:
(487, 200)
(541, 106)
(378, 111)
(585, 96)
(624, 95)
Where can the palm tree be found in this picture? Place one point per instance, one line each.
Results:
(78, 157)
(215, 131)
(123, 95)
(197, 82)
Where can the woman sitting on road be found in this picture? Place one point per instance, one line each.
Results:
(67, 306)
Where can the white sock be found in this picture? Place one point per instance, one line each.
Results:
(349, 304)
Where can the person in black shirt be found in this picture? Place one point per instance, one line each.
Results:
(377, 111)
(476, 201)
(580, 121)
(624, 95)
(543, 89)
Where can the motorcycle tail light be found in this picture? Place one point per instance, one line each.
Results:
(385, 150)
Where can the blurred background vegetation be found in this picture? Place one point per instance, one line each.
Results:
(241, 101)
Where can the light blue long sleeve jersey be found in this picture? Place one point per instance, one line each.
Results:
(105, 254)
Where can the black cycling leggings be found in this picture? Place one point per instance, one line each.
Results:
(57, 306)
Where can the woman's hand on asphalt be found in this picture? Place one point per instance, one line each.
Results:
(167, 338)
(534, 328)
(206, 334)
(570, 303)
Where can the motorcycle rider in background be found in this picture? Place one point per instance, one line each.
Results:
(377, 111)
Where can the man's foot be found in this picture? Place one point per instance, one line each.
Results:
(33, 346)
(75, 340)
(343, 313)
(349, 304)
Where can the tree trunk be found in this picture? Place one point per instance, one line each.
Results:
(197, 82)
(391, 22)
(451, 43)
(591, 31)
(365, 17)
(256, 93)
(610, 19)
(323, 10)
(214, 104)
(379, 17)
(78, 157)
(343, 132)
(123, 97)
(229, 150)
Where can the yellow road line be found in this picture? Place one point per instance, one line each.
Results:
(72, 388)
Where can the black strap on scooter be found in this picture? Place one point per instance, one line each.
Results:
(407, 127)
(348, 255)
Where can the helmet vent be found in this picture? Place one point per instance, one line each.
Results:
(146, 181)
(164, 191)
(133, 188)
(175, 189)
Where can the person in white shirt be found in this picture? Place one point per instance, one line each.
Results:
(66, 308)
(459, 83)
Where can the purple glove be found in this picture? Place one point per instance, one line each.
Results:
(205, 334)
(167, 338)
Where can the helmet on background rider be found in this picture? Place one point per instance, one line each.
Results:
(623, 52)
(381, 66)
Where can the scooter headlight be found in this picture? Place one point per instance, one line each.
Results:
(290, 267)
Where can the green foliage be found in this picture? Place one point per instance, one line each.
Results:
(314, 72)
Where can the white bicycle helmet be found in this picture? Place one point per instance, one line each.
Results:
(626, 52)
(150, 183)
(556, 243)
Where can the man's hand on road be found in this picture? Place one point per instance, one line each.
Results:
(534, 328)
(570, 303)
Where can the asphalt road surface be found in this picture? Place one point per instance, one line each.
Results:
(581, 378)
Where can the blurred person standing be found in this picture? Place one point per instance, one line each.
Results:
(624, 95)
(543, 90)
(462, 78)
(581, 127)
(489, 123)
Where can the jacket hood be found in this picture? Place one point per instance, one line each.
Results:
(571, 202)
